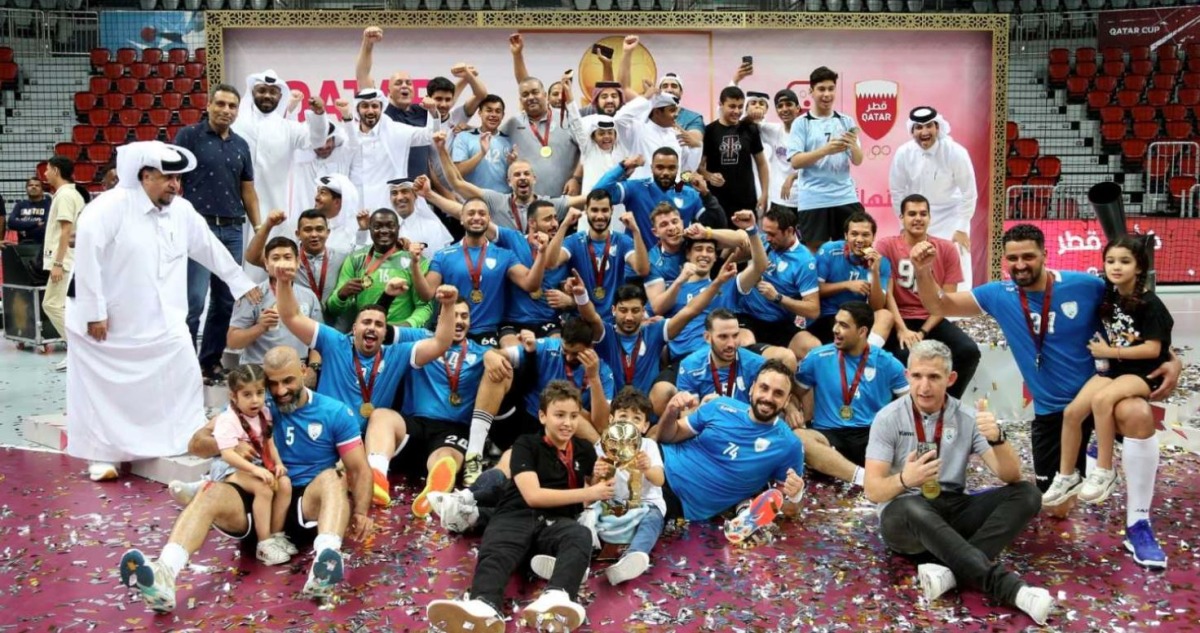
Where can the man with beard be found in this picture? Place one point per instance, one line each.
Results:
(338, 154)
(596, 134)
(385, 145)
(600, 256)
(939, 168)
(525, 310)
(1048, 318)
(482, 155)
(362, 372)
(482, 271)
(850, 270)
(733, 152)
(851, 380)
(823, 144)
(641, 195)
(364, 274)
(222, 190)
(538, 136)
(727, 450)
(688, 121)
(647, 125)
(913, 322)
(721, 367)
(313, 433)
(337, 198)
(787, 298)
(418, 223)
(667, 256)
(317, 258)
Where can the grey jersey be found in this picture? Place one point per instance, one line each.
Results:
(245, 315)
(552, 171)
(501, 207)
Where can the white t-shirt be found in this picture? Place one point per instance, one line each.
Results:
(650, 493)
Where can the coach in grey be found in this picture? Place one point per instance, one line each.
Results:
(916, 469)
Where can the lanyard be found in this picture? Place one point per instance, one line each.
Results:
(918, 421)
(367, 388)
(259, 443)
(1038, 334)
(475, 268)
(629, 361)
(318, 289)
(583, 387)
(453, 379)
(533, 128)
(512, 205)
(730, 379)
(600, 264)
(370, 265)
(848, 391)
(567, 459)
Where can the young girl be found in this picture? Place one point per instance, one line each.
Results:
(1137, 327)
(248, 420)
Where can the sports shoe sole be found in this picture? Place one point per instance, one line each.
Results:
(451, 617)
(135, 566)
(380, 492)
(441, 479)
(926, 580)
(1070, 494)
(762, 512)
(559, 619)
(631, 565)
(1155, 564)
(543, 566)
(327, 571)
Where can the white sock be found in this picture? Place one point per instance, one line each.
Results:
(327, 541)
(174, 557)
(876, 340)
(379, 462)
(859, 475)
(481, 423)
(1139, 460)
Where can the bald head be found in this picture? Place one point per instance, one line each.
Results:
(279, 358)
(285, 378)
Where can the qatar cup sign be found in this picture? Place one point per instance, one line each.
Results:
(875, 102)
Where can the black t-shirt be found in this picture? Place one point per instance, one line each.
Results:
(1151, 321)
(534, 453)
(729, 151)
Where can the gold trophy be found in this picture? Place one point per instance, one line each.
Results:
(622, 442)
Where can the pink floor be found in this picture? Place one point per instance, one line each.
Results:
(63, 535)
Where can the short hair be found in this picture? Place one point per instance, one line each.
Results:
(534, 207)
(782, 216)
(720, 314)
(558, 391)
(731, 92)
(1025, 233)
(243, 375)
(476, 199)
(631, 398)
(576, 331)
(312, 214)
(664, 151)
(913, 198)
(385, 211)
(663, 208)
(439, 84)
(929, 349)
(822, 73)
(861, 313)
(599, 194)
(35, 180)
(860, 216)
(225, 88)
(534, 80)
(774, 365)
(66, 168)
(373, 307)
(105, 168)
(280, 241)
(689, 243)
(490, 99)
(629, 292)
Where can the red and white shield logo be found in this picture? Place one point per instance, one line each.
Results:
(876, 106)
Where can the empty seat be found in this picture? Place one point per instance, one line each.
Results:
(70, 150)
(1026, 147)
(128, 85)
(113, 70)
(1137, 53)
(1158, 97)
(9, 73)
(1145, 130)
(183, 85)
(115, 134)
(1106, 84)
(160, 117)
(1056, 75)
(1048, 167)
(1163, 82)
(1086, 54)
(1097, 100)
(85, 172)
(1112, 114)
(1112, 54)
(1142, 113)
(1085, 69)
(200, 55)
(1060, 56)
(1137, 83)
(189, 116)
(1166, 51)
(1011, 131)
(1077, 88)
(1192, 49)
(172, 130)
(99, 57)
(1019, 167)
(6, 54)
(130, 117)
(1133, 153)
(155, 85)
(1128, 98)
(198, 100)
(166, 70)
(1179, 130)
(139, 70)
(1170, 66)
(99, 117)
(1111, 134)
(99, 85)
(83, 134)
(171, 100)
(1188, 96)
(145, 132)
(84, 101)
(114, 101)
(1190, 80)
(1141, 67)
(143, 101)
(1180, 187)
(1173, 112)
(99, 153)
(195, 70)
(177, 55)
(126, 56)
(1114, 68)
(152, 55)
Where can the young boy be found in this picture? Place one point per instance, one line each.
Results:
(537, 513)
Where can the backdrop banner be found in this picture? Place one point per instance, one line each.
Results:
(1148, 27)
(1079, 244)
(883, 75)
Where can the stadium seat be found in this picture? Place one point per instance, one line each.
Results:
(84, 101)
(99, 57)
(1179, 130)
(1011, 131)
(128, 85)
(1086, 54)
(1193, 65)
(1133, 153)
(1146, 130)
(198, 100)
(1112, 54)
(99, 85)
(113, 70)
(177, 55)
(1105, 84)
(41, 172)
(130, 117)
(1060, 56)
(1128, 98)
(189, 116)
(1114, 68)
(1142, 113)
(172, 130)
(1111, 134)
(1141, 67)
(1163, 82)
(1057, 74)
(115, 134)
(1170, 66)
(1019, 167)
(1173, 112)
(114, 101)
(1049, 167)
(152, 55)
(139, 70)
(1188, 96)
(145, 132)
(194, 70)
(160, 117)
(6, 55)
(1190, 80)
(1137, 83)
(200, 56)
(1138, 53)
(143, 101)
(1112, 114)
(1158, 97)
(8, 74)
(126, 56)
(183, 85)
(1192, 49)
(1097, 100)
(1085, 69)
(99, 117)
(1166, 51)
(171, 100)
(70, 150)
(83, 134)
(166, 70)
(1026, 147)
(155, 85)
(1041, 181)
(99, 153)
(1077, 89)
(85, 172)
(1180, 187)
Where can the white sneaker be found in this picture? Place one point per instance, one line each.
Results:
(935, 580)
(326, 572)
(1062, 488)
(183, 492)
(1099, 485)
(61, 365)
(542, 566)
(285, 543)
(151, 578)
(1036, 602)
(464, 615)
(456, 510)
(270, 552)
(102, 471)
(631, 565)
(554, 611)
(588, 519)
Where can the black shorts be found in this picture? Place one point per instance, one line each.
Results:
(247, 505)
(822, 328)
(540, 330)
(426, 435)
(826, 223)
(1135, 371)
(670, 373)
(851, 442)
(777, 333)
(295, 526)
(1046, 443)
(489, 338)
(506, 431)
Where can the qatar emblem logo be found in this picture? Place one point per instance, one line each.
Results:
(876, 106)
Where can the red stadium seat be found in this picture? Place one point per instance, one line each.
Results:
(83, 134)
(143, 101)
(1112, 54)
(1163, 82)
(160, 117)
(1056, 75)
(1180, 187)
(172, 130)
(1188, 96)
(1146, 130)
(1193, 65)
(84, 101)
(127, 56)
(1026, 147)
(70, 150)
(139, 70)
(1114, 68)
(1142, 113)
(1192, 49)
(100, 153)
(1112, 114)
(1166, 51)
(99, 117)
(1179, 130)
(1173, 112)
(1019, 167)
(85, 172)
(183, 85)
(1128, 98)
(1077, 89)
(41, 172)
(200, 55)
(115, 101)
(155, 85)
(1041, 181)
(1105, 84)
(1048, 167)
(189, 116)
(1158, 97)
(171, 100)
(166, 70)
(1086, 54)
(1136, 83)
(198, 100)
(1097, 100)
(99, 57)
(1011, 131)
(128, 85)
(177, 55)
(1137, 53)
(115, 134)
(1141, 67)
(9, 73)
(1085, 69)
(1111, 134)
(1170, 66)
(113, 70)
(6, 55)
(99, 85)
(1133, 153)
(1060, 56)
(145, 132)
(1190, 80)
(195, 70)
(203, 85)
(130, 117)
(152, 55)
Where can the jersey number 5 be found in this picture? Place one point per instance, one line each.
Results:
(291, 436)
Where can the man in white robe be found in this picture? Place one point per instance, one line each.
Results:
(648, 123)
(937, 167)
(133, 380)
(338, 154)
(385, 145)
(417, 221)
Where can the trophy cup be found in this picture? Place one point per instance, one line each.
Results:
(622, 442)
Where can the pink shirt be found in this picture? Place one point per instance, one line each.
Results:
(947, 269)
(228, 431)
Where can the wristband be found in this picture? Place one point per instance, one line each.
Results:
(752, 230)
(582, 300)
(902, 480)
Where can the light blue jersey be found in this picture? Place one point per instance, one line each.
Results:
(882, 381)
(588, 255)
(618, 350)
(311, 439)
(339, 377)
(696, 374)
(552, 365)
(827, 183)
(521, 307)
(494, 264)
(492, 170)
(834, 266)
(427, 390)
(793, 273)
(691, 337)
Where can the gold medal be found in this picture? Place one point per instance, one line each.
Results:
(455, 399)
(546, 151)
(847, 412)
(366, 409)
(931, 489)
(476, 296)
(366, 282)
(536, 295)
(600, 293)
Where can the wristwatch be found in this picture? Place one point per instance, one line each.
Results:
(1001, 440)
(778, 298)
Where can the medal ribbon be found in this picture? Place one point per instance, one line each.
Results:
(454, 378)
(259, 443)
(583, 386)
(629, 361)
(1039, 337)
(848, 391)
(475, 268)
(533, 128)
(567, 459)
(918, 421)
(367, 388)
(600, 265)
(730, 380)
(318, 289)
(369, 265)
(512, 205)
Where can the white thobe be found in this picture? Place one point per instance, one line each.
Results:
(307, 167)
(945, 176)
(422, 225)
(385, 149)
(643, 136)
(138, 393)
(596, 162)
(775, 146)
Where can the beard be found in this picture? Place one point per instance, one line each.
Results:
(292, 405)
(761, 410)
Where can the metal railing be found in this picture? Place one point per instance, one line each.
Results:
(1034, 34)
(1187, 206)
(1167, 160)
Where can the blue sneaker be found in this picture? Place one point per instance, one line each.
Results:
(1140, 541)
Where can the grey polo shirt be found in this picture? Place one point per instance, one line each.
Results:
(335, 257)
(552, 171)
(894, 436)
(501, 207)
(245, 314)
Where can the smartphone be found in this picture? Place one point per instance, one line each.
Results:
(602, 51)
(748, 59)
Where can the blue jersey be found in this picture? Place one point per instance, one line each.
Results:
(882, 381)
(451, 264)
(730, 460)
(617, 349)
(1074, 319)
(691, 337)
(689, 120)
(427, 390)
(586, 253)
(492, 170)
(311, 438)
(642, 195)
(696, 376)
(552, 365)
(664, 266)
(521, 307)
(827, 183)
(339, 377)
(403, 334)
(833, 266)
(793, 273)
